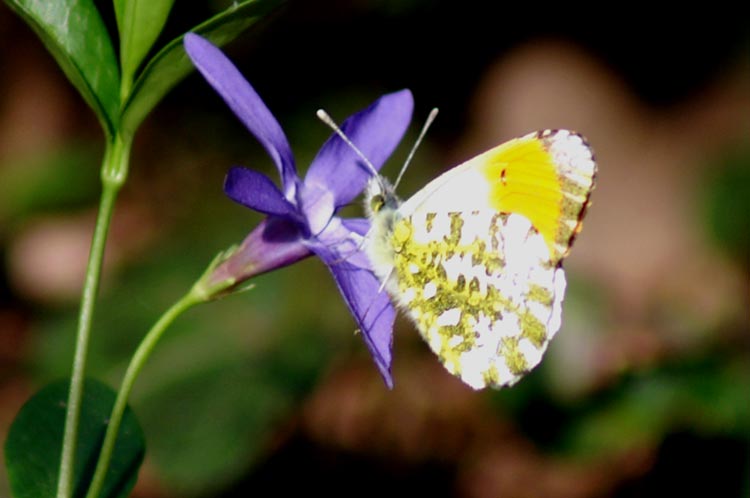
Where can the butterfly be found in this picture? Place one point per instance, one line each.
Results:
(475, 257)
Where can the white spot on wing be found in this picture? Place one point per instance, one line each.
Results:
(531, 353)
(429, 291)
(455, 341)
(555, 320)
(449, 317)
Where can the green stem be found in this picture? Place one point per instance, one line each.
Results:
(136, 364)
(114, 171)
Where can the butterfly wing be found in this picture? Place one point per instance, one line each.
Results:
(476, 254)
(546, 176)
(480, 287)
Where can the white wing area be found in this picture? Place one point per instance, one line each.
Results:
(463, 188)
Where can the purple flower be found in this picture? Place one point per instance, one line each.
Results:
(301, 216)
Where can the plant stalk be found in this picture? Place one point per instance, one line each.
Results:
(114, 171)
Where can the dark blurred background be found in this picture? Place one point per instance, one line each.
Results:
(644, 392)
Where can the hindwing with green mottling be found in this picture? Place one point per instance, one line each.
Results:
(480, 287)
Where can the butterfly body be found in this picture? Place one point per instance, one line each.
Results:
(475, 256)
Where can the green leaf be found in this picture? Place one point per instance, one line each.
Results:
(139, 23)
(32, 450)
(171, 64)
(74, 33)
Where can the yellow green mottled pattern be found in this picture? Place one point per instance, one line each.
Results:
(480, 316)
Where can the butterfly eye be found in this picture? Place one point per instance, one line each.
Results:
(377, 202)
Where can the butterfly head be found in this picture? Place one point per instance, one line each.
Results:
(380, 197)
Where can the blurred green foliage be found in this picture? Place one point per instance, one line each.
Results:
(63, 178)
(727, 203)
(708, 395)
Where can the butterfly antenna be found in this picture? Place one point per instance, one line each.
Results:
(430, 118)
(327, 119)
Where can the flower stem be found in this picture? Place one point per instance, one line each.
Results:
(198, 294)
(204, 289)
(116, 157)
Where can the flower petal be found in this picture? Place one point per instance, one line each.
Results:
(228, 82)
(316, 205)
(258, 192)
(376, 131)
(357, 225)
(368, 303)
